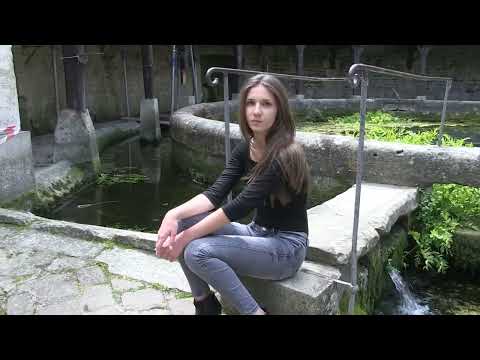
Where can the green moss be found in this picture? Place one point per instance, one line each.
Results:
(46, 198)
(111, 244)
(22, 278)
(358, 308)
(104, 267)
(160, 287)
(466, 251)
(182, 294)
(25, 201)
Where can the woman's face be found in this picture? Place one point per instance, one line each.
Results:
(261, 110)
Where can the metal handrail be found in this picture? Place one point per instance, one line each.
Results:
(355, 69)
(352, 73)
(214, 82)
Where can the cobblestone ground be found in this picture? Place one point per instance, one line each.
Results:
(43, 273)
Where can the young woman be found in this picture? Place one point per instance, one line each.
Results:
(213, 249)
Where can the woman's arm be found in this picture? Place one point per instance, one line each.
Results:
(169, 226)
(172, 247)
(196, 205)
(208, 200)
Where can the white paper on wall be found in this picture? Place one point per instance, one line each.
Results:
(9, 112)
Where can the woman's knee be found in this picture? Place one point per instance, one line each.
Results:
(196, 253)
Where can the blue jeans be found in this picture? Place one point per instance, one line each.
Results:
(237, 249)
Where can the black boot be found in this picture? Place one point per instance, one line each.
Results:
(208, 306)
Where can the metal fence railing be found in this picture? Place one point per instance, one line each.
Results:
(357, 76)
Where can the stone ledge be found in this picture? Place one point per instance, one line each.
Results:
(312, 291)
(335, 156)
(331, 223)
(134, 239)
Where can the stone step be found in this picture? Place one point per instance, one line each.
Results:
(312, 291)
(331, 223)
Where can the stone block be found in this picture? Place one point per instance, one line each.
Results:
(331, 223)
(75, 139)
(149, 120)
(312, 291)
(16, 162)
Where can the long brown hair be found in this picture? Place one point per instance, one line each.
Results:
(280, 140)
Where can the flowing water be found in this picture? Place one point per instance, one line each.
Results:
(409, 303)
(421, 293)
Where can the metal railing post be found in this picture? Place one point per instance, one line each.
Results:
(358, 188)
(226, 117)
(444, 112)
(125, 82)
(174, 65)
(194, 74)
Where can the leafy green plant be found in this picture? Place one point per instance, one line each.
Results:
(441, 211)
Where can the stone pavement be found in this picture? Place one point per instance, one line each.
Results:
(47, 273)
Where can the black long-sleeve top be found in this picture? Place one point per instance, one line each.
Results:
(256, 195)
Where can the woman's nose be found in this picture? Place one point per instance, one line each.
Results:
(257, 108)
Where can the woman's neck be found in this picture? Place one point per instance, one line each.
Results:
(257, 148)
(259, 142)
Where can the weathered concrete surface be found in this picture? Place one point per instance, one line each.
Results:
(45, 273)
(144, 266)
(75, 139)
(331, 223)
(335, 156)
(16, 164)
(130, 238)
(312, 291)
(150, 120)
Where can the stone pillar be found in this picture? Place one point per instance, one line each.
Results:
(300, 85)
(423, 50)
(147, 56)
(357, 53)
(263, 58)
(16, 160)
(75, 138)
(149, 115)
(237, 80)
